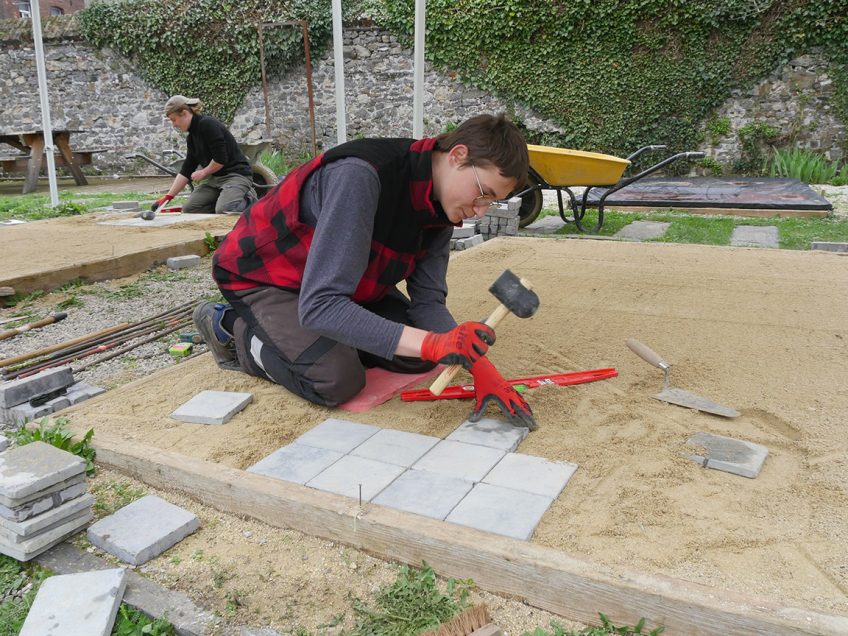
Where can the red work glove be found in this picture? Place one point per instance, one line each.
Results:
(490, 386)
(161, 202)
(464, 344)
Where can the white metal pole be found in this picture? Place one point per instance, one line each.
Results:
(418, 75)
(45, 103)
(338, 61)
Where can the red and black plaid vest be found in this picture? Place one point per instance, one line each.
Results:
(269, 244)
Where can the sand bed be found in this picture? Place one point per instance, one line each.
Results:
(764, 331)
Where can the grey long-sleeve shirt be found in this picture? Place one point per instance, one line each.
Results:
(340, 201)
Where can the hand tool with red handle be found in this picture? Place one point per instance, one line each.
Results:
(464, 391)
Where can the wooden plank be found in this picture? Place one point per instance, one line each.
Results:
(756, 213)
(546, 578)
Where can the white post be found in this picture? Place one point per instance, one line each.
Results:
(418, 75)
(45, 104)
(338, 61)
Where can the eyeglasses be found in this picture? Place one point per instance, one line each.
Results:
(484, 200)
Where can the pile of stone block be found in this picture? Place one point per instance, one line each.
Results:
(466, 237)
(501, 219)
(43, 499)
(24, 398)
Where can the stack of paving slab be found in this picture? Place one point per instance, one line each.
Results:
(466, 236)
(501, 219)
(15, 395)
(472, 478)
(43, 499)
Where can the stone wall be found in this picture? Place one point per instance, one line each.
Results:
(99, 92)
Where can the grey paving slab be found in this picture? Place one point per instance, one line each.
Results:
(183, 262)
(349, 473)
(29, 469)
(296, 462)
(424, 493)
(465, 231)
(47, 520)
(338, 435)
(212, 407)
(642, 230)
(125, 205)
(35, 545)
(537, 475)
(129, 535)
(81, 391)
(729, 455)
(754, 236)
(512, 513)
(546, 225)
(82, 604)
(18, 391)
(45, 500)
(10, 538)
(828, 246)
(4, 443)
(490, 432)
(395, 447)
(458, 459)
(24, 412)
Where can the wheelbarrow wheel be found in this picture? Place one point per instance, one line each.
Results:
(263, 179)
(531, 205)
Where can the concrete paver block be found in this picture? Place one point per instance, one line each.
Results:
(212, 407)
(828, 246)
(183, 262)
(531, 474)
(642, 230)
(27, 470)
(26, 549)
(489, 629)
(125, 205)
(464, 231)
(512, 513)
(129, 535)
(18, 391)
(47, 520)
(338, 435)
(490, 432)
(730, 455)
(82, 391)
(349, 473)
(395, 447)
(755, 236)
(45, 500)
(296, 462)
(4, 443)
(82, 604)
(458, 459)
(468, 243)
(424, 493)
(69, 521)
(24, 412)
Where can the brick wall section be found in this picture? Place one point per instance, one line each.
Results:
(10, 9)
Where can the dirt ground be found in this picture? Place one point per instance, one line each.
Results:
(764, 331)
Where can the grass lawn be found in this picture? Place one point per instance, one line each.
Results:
(793, 233)
(33, 207)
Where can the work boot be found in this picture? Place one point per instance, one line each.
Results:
(207, 318)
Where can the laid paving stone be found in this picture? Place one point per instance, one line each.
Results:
(424, 493)
(44, 501)
(82, 604)
(531, 474)
(395, 447)
(349, 473)
(827, 246)
(33, 546)
(18, 391)
(81, 391)
(338, 435)
(47, 520)
(490, 432)
(642, 230)
(125, 205)
(729, 455)
(547, 225)
(512, 513)
(457, 459)
(212, 407)
(296, 462)
(183, 262)
(129, 535)
(28, 470)
(754, 236)
(4, 443)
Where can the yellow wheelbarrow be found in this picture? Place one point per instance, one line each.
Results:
(560, 170)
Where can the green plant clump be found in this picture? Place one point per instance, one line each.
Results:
(806, 165)
(132, 622)
(56, 435)
(606, 627)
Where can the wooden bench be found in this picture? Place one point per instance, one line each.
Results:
(18, 163)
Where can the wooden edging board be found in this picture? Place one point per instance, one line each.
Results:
(544, 577)
(750, 212)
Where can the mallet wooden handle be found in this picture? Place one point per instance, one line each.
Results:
(493, 320)
(33, 325)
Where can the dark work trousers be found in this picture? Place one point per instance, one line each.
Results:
(271, 344)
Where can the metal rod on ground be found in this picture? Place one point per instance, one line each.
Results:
(67, 353)
(7, 362)
(119, 352)
(33, 325)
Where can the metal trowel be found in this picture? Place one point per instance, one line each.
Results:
(678, 396)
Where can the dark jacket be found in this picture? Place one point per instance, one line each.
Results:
(209, 139)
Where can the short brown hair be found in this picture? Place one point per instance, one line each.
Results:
(491, 140)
